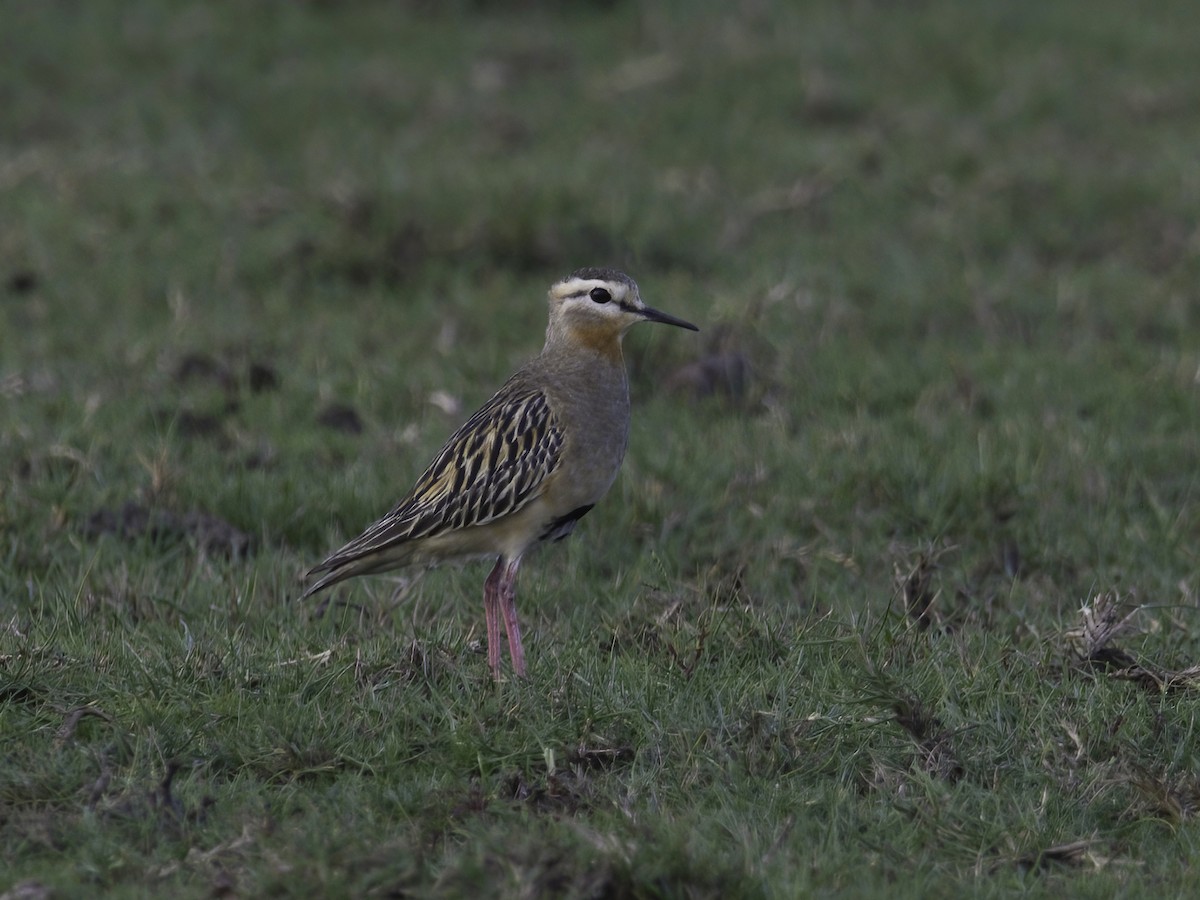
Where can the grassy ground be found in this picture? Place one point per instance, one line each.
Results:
(258, 260)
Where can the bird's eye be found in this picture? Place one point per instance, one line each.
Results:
(600, 295)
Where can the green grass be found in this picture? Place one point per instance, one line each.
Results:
(822, 636)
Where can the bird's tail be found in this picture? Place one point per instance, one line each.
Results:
(343, 565)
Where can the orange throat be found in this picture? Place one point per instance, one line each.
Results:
(603, 341)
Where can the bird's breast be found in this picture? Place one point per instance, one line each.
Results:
(594, 411)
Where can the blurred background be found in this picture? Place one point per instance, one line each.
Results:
(905, 227)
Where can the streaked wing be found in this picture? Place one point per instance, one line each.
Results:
(491, 467)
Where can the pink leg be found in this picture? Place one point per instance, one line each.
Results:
(508, 604)
(491, 610)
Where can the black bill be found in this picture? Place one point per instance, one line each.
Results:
(653, 315)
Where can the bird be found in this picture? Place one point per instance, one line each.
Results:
(527, 466)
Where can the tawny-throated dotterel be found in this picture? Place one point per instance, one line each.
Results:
(528, 465)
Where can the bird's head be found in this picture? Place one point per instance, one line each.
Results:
(597, 306)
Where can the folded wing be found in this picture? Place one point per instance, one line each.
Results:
(495, 464)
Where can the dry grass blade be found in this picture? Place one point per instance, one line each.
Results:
(1157, 678)
(1104, 619)
(1173, 799)
(71, 723)
(915, 584)
(1073, 854)
(935, 748)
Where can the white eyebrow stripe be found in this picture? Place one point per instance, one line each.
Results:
(581, 286)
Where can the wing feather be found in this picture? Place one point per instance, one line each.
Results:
(491, 467)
